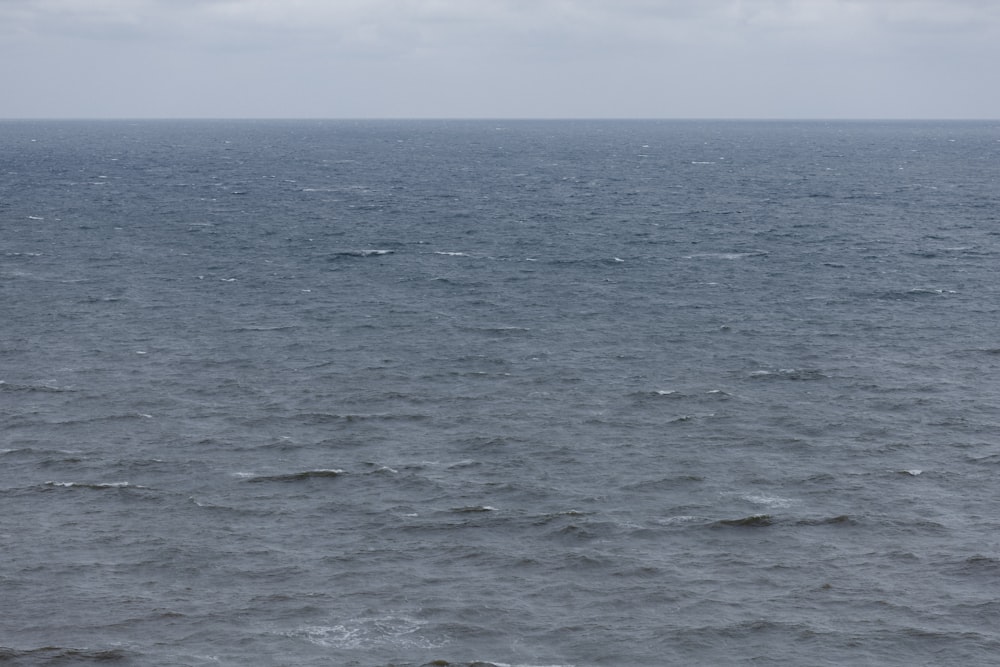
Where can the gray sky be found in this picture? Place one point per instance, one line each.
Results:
(500, 58)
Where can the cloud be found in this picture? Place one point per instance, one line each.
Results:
(502, 57)
(532, 22)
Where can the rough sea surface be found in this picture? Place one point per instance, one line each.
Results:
(499, 393)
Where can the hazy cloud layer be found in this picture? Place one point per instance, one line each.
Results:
(499, 58)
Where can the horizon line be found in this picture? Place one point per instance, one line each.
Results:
(512, 118)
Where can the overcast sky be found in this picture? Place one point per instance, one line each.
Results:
(500, 58)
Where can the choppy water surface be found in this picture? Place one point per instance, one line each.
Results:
(518, 393)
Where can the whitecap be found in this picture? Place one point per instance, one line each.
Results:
(331, 636)
(98, 485)
(769, 501)
(680, 519)
(725, 255)
(366, 633)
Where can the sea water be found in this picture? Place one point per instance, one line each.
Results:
(574, 393)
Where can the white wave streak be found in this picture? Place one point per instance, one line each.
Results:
(94, 485)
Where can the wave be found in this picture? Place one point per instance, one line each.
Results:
(367, 633)
(663, 483)
(298, 476)
(913, 293)
(980, 564)
(770, 501)
(95, 485)
(789, 374)
(473, 509)
(51, 655)
(106, 418)
(31, 388)
(256, 329)
(371, 252)
(675, 394)
(680, 520)
(481, 663)
(320, 418)
(499, 330)
(658, 393)
(752, 521)
(727, 255)
(826, 521)
(49, 455)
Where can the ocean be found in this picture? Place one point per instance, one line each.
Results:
(499, 393)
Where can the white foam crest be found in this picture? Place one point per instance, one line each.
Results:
(769, 501)
(451, 254)
(330, 636)
(725, 255)
(96, 485)
(367, 633)
(680, 519)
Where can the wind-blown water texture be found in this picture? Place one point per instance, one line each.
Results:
(519, 393)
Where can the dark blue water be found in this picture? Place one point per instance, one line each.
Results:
(506, 393)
